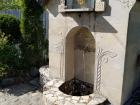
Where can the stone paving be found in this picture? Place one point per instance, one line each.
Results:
(53, 96)
(22, 94)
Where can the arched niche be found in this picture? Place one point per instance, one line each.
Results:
(80, 55)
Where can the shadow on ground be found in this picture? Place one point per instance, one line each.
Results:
(23, 88)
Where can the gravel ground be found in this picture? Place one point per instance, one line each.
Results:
(22, 94)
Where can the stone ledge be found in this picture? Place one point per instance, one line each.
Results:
(53, 96)
(44, 75)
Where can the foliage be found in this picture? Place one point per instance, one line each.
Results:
(3, 70)
(10, 25)
(33, 47)
(8, 52)
(10, 4)
(9, 57)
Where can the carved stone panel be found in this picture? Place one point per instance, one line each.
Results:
(99, 5)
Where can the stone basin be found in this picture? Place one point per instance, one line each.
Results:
(53, 96)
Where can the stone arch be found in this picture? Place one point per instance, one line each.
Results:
(80, 55)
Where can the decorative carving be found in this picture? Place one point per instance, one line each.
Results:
(102, 57)
(128, 3)
(99, 5)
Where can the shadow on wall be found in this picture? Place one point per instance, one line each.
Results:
(53, 7)
(94, 18)
(132, 58)
(101, 24)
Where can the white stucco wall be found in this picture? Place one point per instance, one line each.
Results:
(113, 71)
(110, 32)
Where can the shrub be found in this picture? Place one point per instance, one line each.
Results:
(10, 26)
(3, 70)
(10, 61)
(33, 47)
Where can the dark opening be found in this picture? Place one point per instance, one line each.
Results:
(138, 61)
(76, 87)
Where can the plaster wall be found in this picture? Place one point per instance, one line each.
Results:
(85, 66)
(110, 32)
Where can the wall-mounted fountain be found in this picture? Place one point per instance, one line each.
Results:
(86, 52)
